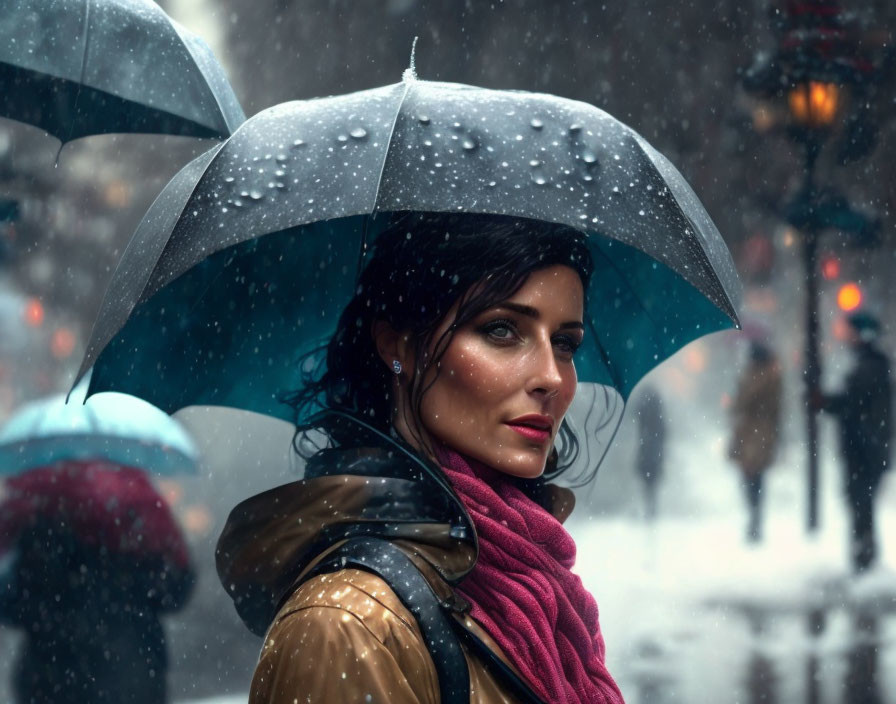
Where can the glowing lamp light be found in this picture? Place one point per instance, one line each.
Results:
(814, 104)
(34, 313)
(849, 297)
(830, 268)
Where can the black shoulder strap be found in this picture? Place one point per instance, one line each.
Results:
(384, 559)
(441, 632)
(497, 667)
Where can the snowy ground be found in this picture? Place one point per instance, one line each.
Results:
(691, 614)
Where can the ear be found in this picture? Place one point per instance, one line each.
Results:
(392, 345)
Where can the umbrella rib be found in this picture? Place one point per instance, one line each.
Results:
(71, 124)
(88, 358)
(379, 180)
(717, 287)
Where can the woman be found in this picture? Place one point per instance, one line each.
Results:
(755, 422)
(444, 395)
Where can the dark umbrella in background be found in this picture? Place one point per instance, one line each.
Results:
(84, 67)
(246, 259)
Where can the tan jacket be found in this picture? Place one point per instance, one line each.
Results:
(345, 636)
(755, 418)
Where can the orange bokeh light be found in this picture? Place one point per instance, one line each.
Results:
(849, 297)
(34, 313)
(814, 104)
(62, 343)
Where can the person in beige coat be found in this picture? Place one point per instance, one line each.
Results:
(422, 558)
(755, 421)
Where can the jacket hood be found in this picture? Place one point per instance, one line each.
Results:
(378, 488)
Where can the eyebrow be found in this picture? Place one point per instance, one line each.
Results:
(533, 313)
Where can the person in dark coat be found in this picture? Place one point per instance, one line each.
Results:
(863, 409)
(755, 417)
(651, 445)
(93, 557)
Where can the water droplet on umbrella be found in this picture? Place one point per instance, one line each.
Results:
(244, 194)
(424, 119)
(469, 144)
(256, 195)
(583, 217)
(589, 157)
(282, 158)
(641, 213)
(492, 184)
(342, 138)
(575, 127)
(228, 179)
(534, 162)
(279, 173)
(358, 133)
(539, 179)
(536, 123)
(298, 143)
(587, 177)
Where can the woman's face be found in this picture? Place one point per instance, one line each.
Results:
(507, 377)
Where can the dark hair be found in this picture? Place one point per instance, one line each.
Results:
(420, 266)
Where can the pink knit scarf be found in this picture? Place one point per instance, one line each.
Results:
(523, 592)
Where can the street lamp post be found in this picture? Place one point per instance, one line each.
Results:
(816, 63)
(813, 107)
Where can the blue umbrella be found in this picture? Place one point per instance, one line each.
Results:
(110, 426)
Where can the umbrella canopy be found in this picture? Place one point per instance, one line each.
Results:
(113, 427)
(246, 259)
(83, 67)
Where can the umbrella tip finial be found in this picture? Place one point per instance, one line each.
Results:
(410, 73)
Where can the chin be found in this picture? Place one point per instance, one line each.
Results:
(524, 466)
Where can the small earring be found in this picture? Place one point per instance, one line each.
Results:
(396, 366)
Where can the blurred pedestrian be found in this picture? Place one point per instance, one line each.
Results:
(864, 410)
(755, 416)
(93, 557)
(651, 445)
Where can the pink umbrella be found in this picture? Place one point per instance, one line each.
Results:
(104, 505)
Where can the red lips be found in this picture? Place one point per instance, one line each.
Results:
(534, 427)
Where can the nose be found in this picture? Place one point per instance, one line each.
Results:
(545, 378)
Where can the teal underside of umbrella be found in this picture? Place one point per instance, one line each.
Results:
(238, 329)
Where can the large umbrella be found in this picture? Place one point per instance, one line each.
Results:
(82, 67)
(245, 260)
(115, 428)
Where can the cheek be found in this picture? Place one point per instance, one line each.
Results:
(567, 390)
(473, 373)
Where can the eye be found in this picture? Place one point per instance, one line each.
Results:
(567, 344)
(500, 330)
